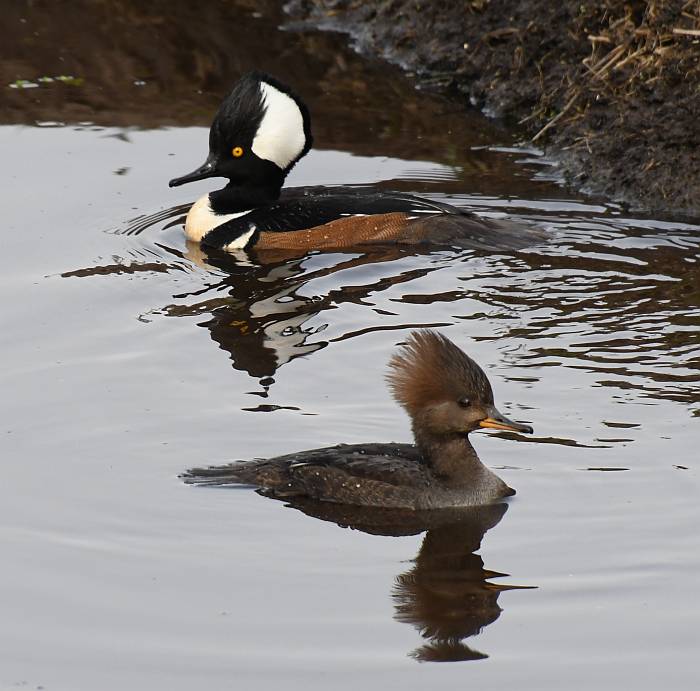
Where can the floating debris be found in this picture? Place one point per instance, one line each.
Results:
(23, 84)
(63, 78)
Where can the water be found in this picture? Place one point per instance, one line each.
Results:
(131, 356)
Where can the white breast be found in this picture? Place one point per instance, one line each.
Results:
(201, 219)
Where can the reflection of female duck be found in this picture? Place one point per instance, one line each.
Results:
(447, 396)
(260, 132)
(447, 594)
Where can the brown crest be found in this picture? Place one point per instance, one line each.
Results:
(429, 368)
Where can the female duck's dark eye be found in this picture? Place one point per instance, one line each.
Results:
(464, 402)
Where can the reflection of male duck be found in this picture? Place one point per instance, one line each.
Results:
(259, 320)
(447, 396)
(261, 312)
(260, 132)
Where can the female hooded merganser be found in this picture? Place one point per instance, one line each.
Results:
(260, 132)
(447, 396)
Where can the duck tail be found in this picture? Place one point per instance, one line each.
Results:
(254, 473)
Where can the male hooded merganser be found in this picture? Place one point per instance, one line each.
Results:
(260, 132)
(447, 396)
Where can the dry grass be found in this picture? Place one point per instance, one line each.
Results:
(634, 48)
(610, 87)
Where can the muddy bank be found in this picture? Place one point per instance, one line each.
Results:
(611, 89)
(168, 64)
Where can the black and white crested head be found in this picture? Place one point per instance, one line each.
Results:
(260, 131)
(266, 116)
(430, 369)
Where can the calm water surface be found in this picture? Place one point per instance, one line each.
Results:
(131, 356)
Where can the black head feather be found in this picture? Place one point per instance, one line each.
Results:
(260, 131)
(239, 116)
(242, 111)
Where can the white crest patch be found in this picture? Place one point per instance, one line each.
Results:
(280, 137)
(201, 219)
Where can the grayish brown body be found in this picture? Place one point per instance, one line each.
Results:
(447, 396)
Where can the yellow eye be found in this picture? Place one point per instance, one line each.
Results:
(237, 151)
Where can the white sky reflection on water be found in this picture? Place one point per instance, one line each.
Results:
(116, 575)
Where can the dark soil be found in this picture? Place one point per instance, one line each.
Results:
(610, 88)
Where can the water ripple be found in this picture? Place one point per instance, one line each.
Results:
(612, 296)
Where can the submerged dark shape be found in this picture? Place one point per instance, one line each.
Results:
(447, 594)
(261, 131)
(447, 396)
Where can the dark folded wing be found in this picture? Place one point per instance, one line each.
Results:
(305, 207)
(393, 464)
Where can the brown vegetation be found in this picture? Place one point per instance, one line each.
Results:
(612, 86)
